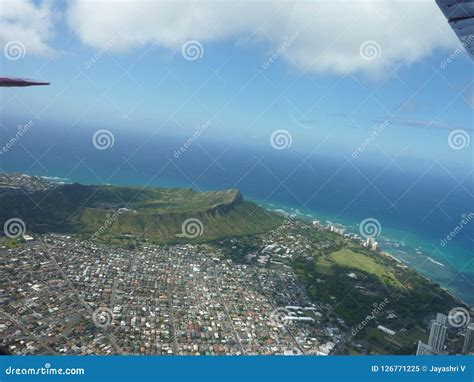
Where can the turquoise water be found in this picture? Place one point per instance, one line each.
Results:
(416, 252)
(416, 203)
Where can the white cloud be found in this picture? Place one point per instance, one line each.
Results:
(29, 23)
(329, 39)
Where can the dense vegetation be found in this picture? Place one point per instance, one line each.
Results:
(354, 280)
(335, 271)
(117, 213)
(363, 287)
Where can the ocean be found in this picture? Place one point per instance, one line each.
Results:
(417, 203)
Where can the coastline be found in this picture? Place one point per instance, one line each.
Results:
(457, 298)
(387, 243)
(383, 248)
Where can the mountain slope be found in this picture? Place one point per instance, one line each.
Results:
(109, 213)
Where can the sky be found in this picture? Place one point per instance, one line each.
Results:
(345, 107)
(348, 78)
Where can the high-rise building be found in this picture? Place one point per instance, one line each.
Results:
(437, 334)
(424, 349)
(468, 346)
(374, 246)
(441, 319)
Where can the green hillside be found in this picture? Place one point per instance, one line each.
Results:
(118, 213)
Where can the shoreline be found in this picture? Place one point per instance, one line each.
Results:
(309, 217)
(383, 251)
(457, 298)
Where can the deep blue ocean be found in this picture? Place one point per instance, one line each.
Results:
(418, 203)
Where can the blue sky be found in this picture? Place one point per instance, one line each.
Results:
(121, 66)
(346, 107)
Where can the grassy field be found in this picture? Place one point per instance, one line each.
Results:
(153, 200)
(347, 258)
(409, 300)
(324, 265)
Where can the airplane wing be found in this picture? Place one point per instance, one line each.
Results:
(460, 15)
(14, 82)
